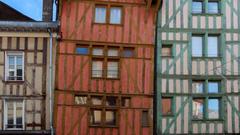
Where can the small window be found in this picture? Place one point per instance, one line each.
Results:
(13, 116)
(197, 46)
(198, 87)
(14, 66)
(81, 100)
(212, 46)
(197, 7)
(198, 108)
(97, 51)
(128, 52)
(167, 106)
(166, 50)
(111, 101)
(100, 14)
(112, 69)
(126, 101)
(97, 68)
(96, 117)
(213, 87)
(113, 52)
(213, 7)
(145, 119)
(82, 50)
(115, 15)
(96, 100)
(213, 108)
(111, 118)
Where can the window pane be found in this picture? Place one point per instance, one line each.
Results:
(145, 121)
(19, 114)
(97, 51)
(11, 61)
(128, 52)
(112, 71)
(82, 50)
(166, 51)
(197, 46)
(96, 116)
(111, 101)
(11, 75)
(166, 106)
(213, 108)
(19, 74)
(97, 68)
(198, 108)
(212, 46)
(112, 52)
(80, 100)
(126, 101)
(96, 100)
(100, 14)
(213, 7)
(110, 117)
(115, 15)
(213, 87)
(10, 122)
(197, 7)
(197, 87)
(19, 61)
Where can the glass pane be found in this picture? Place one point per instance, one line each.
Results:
(197, 46)
(19, 60)
(145, 121)
(11, 60)
(166, 51)
(97, 68)
(213, 87)
(97, 51)
(80, 100)
(112, 70)
(10, 116)
(197, 7)
(111, 101)
(100, 15)
(212, 46)
(126, 102)
(96, 100)
(128, 52)
(110, 117)
(19, 114)
(166, 106)
(197, 108)
(213, 108)
(197, 87)
(82, 50)
(115, 15)
(19, 74)
(96, 116)
(213, 7)
(112, 52)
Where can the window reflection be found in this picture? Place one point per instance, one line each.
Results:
(213, 87)
(198, 108)
(197, 87)
(213, 108)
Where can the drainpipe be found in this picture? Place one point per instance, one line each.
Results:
(50, 82)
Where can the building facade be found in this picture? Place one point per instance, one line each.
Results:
(198, 67)
(104, 73)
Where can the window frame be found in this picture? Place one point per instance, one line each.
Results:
(170, 46)
(148, 124)
(82, 46)
(6, 64)
(5, 118)
(205, 7)
(128, 48)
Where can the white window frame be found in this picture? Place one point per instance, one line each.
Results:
(15, 64)
(14, 114)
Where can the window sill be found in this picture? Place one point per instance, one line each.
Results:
(167, 57)
(207, 14)
(104, 78)
(107, 24)
(206, 120)
(102, 126)
(168, 115)
(8, 81)
(205, 57)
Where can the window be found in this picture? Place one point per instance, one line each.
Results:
(210, 49)
(13, 115)
(104, 114)
(197, 6)
(82, 50)
(206, 102)
(213, 6)
(167, 106)
(80, 100)
(128, 52)
(14, 66)
(105, 62)
(107, 14)
(145, 118)
(126, 101)
(100, 14)
(166, 50)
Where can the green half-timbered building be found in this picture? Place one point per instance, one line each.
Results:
(198, 67)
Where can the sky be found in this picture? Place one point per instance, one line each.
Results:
(30, 8)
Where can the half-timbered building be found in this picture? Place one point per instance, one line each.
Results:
(104, 73)
(198, 67)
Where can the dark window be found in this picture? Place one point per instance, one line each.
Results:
(126, 101)
(111, 101)
(128, 52)
(145, 118)
(167, 106)
(82, 50)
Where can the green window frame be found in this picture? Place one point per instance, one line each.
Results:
(206, 7)
(207, 100)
